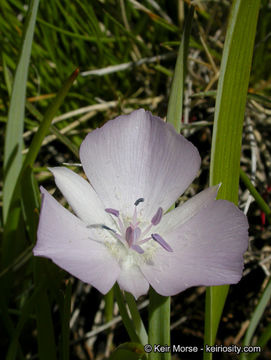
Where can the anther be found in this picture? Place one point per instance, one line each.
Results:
(138, 201)
(162, 242)
(129, 235)
(113, 212)
(157, 217)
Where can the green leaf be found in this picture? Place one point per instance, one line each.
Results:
(124, 314)
(7, 75)
(14, 131)
(54, 130)
(109, 305)
(260, 201)
(137, 321)
(14, 235)
(262, 341)
(46, 337)
(175, 104)
(159, 324)
(30, 201)
(227, 132)
(12, 230)
(231, 97)
(48, 117)
(9, 328)
(25, 313)
(65, 323)
(129, 34)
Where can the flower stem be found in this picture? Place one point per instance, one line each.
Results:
(159, 324)
(124, 314)
(136, 318)
(109, 305)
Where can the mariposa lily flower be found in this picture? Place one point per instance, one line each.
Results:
(138, 166)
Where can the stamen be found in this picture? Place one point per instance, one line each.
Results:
(117, 214)
(121, 226)
(101, 226)
(138, 201)
(132, 235)
(95, 226)
(129, 235)
(120, 238)
(144, 240)
(138, 249)
(147, 230)
(113, 212)
(134, 217)
(157, 217)
(137, 233)
(162, 242)
(108, 228)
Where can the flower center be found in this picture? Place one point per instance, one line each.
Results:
(130, 234)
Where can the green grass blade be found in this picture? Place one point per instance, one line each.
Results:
(262, 341)
(65, 324)
(54, 130)
(159, 324)
(65, 140)
(46, 341)
(27, 309)
(7, 75)
(124, 314)
(15, 216)
(256, 317)
(137, 321)
(175, 104)
(30, 203)
(231, 97)
(258, 198)
(9, 327)
(48, 117)
(227, 132)
(129, 34)
(14, 131)
(104, 39)
(46, 334)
